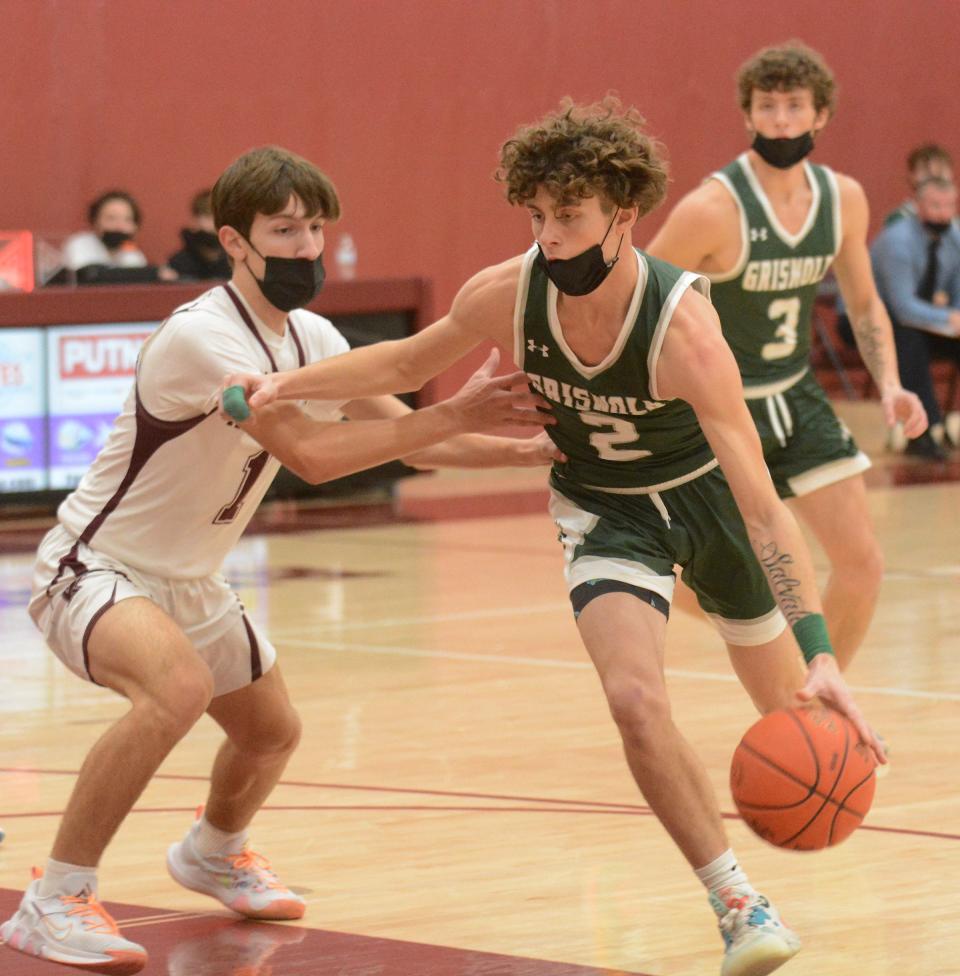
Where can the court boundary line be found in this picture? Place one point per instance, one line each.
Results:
(446, 654)
(559, 805)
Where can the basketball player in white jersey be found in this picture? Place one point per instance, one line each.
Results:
(127, 589)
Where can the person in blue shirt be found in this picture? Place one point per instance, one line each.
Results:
(929, 159)
(916, 262)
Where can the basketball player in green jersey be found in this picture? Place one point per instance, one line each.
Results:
(647, 400)
(765, 230)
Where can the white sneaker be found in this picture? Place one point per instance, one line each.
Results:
(756, 941)
(244, 882)
(72, 930)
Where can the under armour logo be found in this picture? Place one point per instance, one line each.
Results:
(758, 233)
(533, 347)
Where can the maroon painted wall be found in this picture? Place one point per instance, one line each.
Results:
(405, 102)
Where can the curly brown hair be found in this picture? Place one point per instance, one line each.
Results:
(584, 151)
(784, 68)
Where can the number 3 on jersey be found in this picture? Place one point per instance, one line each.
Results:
(605, 443)
(788, 311)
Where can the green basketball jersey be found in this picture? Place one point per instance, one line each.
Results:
(766, 301)
(616, 431)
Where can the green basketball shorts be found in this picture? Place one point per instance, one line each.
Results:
(639, 538)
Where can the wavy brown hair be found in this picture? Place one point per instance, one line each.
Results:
(585, 151)
(784, 68)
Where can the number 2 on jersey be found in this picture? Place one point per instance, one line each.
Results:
(606, 443)
(788, 311)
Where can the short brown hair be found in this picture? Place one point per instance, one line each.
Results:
(926, 154)
(585, 151)
(784, 68)
(262, 181)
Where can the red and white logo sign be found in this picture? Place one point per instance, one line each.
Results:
(99, 356)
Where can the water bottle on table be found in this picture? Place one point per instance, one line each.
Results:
(345, 258)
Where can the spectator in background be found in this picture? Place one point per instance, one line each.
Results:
(201, 256)
(106, 254)
(916, 261)
(922, 163)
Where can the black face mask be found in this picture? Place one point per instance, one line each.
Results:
(937, 227)
(112, 239)
(290, 283)
(783, 153)
(583, 273)
(200, 239)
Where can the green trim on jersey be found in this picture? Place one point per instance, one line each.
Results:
(765, 302)
(616, 431)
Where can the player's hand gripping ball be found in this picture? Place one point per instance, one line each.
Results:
(802, 779)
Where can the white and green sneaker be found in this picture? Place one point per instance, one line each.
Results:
(756, 941)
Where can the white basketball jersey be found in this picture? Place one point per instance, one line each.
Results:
(175, 485)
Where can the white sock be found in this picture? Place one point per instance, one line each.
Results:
(60, 878)
(208, 839)
(724, 872)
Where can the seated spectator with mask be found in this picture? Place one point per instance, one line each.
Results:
(922, 163)
(201, 256)
(106, 254)
(916, 262)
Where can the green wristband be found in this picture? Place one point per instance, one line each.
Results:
(811, 634)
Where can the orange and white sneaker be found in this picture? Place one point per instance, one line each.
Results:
(244, 881)
(75, 930)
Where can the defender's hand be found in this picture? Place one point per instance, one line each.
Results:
(486, 401)
(825, 682)
(536, 451)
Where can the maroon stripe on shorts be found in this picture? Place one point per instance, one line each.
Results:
(69, 561)
(89, 630)
(256, 665)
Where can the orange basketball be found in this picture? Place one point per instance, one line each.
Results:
(802, 779)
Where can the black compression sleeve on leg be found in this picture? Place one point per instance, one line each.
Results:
(581, 595)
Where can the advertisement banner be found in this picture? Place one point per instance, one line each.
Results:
(90, 371)
(23, 431)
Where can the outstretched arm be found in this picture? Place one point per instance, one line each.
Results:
(319, 451)
(482, 310)
(696, 365)
(868, 315)
(465, 450)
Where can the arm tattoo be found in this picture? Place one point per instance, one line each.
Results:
(870, 345)
(785, 586)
